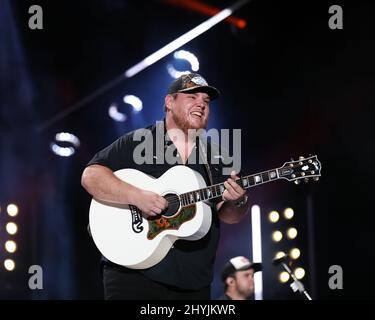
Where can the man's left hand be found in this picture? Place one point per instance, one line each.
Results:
(233, 192)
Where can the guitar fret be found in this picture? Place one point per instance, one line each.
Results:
(222, 188)
(201, 194)
(217, 190)
(272, 174)
(240, 182)
(265, 177)
(251, 181)
(257, 179)
(245, 182)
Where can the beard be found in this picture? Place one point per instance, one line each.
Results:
(246, 291)
(185, 122)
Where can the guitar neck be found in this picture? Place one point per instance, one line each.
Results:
(217, 190)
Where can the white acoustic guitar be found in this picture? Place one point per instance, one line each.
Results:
(124, 237)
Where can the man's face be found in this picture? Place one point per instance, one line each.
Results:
(190, 110)
(244, 281)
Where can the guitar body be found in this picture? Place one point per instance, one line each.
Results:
(124, 237)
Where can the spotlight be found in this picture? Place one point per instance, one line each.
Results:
(279, 254)
(295, 253)
(273, 216)
(291, 233)
(11, 228)
(283, 276)
(134, 101)
(9, 264)
(186, 55)
(68, 139)
(277, 236)
(183, 55)
(12, 210)
(288, 213)
(174, 73)
(10, 246)
(115, 114)
(299, 273)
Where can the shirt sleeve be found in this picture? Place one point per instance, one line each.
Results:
(116, 156)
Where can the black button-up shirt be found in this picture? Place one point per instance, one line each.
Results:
(188, 264)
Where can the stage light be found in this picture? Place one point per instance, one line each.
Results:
(257, 250)
(273, 216)
(115, 114)
(66, 138)
(277, 236)
(180, 41)
(295, 253)
(12, 210)
(9, 264)
(11, 228)
(62, 151)
(291, 233)
(183, 55)
(279, 254)
(134, 101)
(283, 276)
(299, 273)
(175, 73)
(288, 213)
(10, 246)
(186, 55)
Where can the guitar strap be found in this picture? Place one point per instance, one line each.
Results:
(202, 151)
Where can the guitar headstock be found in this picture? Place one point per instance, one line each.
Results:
(301, 169)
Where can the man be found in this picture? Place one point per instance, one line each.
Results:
(238, 278)
(187, 270)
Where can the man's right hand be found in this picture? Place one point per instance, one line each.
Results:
(150, 203)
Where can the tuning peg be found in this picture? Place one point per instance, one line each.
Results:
(301, 158)
(306, 180)
(297, 181)
(316, 178)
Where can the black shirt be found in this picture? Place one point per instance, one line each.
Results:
(188, 264)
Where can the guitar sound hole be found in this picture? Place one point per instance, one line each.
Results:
(173, 205)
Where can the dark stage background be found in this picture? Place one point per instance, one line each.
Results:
(294, 87)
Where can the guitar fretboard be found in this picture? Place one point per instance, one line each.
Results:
(217, 190)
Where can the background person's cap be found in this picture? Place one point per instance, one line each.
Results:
(239, 263)
(193, 82)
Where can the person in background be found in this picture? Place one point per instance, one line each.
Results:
(238, 278)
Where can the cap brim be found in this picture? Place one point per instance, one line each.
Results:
(255, 266)
(211, 91)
